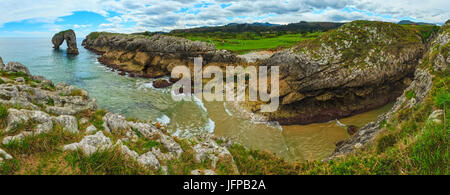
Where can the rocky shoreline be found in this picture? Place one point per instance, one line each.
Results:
(152, 56)
(320, 79)
(35, 107)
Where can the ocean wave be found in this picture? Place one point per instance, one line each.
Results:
(210, 126)
(199, 102)
(164, 119)
(226, 109)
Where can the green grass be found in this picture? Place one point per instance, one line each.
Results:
(9, 167)
(42, 143)
(106, 162)
(442, 97)
(3, 115)
(430, 152)
(97, 119)
(425, 31)
(246, 42)
(410, 94)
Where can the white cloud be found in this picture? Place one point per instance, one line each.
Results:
(164, 15)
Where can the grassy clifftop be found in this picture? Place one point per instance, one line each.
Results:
(363, 42)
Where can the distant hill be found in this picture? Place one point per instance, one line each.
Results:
(416, 23)
(301, 27)
(253, 24)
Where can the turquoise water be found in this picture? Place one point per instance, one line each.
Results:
(134, 97)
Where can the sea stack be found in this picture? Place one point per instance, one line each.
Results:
(71, 41)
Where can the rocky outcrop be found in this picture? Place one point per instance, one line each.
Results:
(358, 67)
(70, 38)
(33, 106)
(17, 67)
(4, 156)
(161, 83)
(2, 65)
(152, 56)
(435, 61)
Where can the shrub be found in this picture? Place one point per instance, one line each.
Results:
(442, 97)
(386, 142)
(410, 94)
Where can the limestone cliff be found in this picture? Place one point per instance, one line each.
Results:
(433, 69)
(358, 67)
(152, 56)
(70, 38)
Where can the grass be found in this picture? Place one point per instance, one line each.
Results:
(252, 162)
(410, 94)
(97, 119)
(430, 152)
(3, 115)
(76, 92)
(425, 31)
(106, 162)
(42, 143)
(246, 42)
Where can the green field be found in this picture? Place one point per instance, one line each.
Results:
(246, 42)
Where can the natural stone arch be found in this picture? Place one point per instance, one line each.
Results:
(71, 41)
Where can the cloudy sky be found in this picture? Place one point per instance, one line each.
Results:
(32, 18)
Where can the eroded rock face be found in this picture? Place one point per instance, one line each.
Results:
(2, 65)
(420, 86)
(17, 67)
(4, 156)
(91, 144)
(358, 67)
(70, 38)
(152, 56)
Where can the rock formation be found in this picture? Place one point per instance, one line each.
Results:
(152, 56)
(435, 62)
(2, 65)
(70, 38)
(358, 67)
(46, 107)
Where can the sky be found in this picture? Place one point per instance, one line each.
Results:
(43, 18)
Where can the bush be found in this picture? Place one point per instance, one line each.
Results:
(442, 97)
(410, 94)
(386, 142)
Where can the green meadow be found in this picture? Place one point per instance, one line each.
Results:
(246, 42)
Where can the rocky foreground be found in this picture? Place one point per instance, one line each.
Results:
(33, 109)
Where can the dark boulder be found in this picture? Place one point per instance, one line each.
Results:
(161, 83)
(352, 130)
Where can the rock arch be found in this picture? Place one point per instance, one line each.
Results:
(71, 41)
